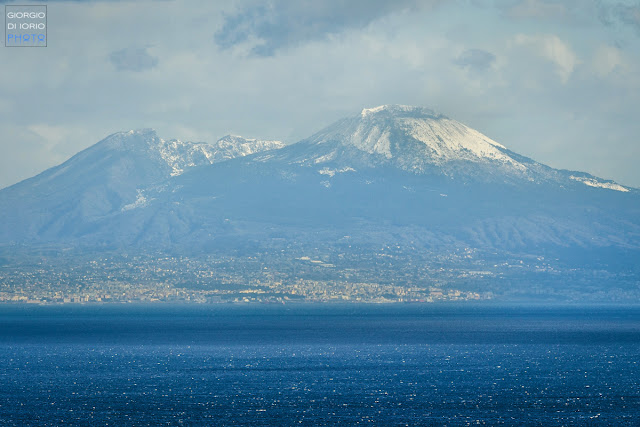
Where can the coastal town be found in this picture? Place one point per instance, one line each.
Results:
(385, 276)
(226, 279)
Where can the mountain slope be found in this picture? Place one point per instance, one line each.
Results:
(106, 178)
(393, 173)
(395, 196)
(390, 173)
(423, 142)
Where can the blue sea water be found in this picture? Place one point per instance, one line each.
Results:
(319, 365)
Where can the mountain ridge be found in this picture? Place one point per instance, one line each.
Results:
(379, 136)
(106, 178)
(366, 166)
(395, 197)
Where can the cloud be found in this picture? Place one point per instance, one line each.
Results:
(553, 49)
(607, 59)
(133, 59)
(281, 23)
(620, 13)
(475, 60)
(536, 9)
(629, 15)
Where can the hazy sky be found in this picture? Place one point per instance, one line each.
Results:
(558, 81)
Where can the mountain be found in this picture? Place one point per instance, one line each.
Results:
(105, 179)
(423, 142)
(397, 171)
(393, 195)
(388, 170)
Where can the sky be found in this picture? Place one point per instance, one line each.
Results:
(557, 81)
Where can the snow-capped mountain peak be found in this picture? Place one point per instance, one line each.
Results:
(420, 141)
(381, 130)
(398, 110)
(414, 139)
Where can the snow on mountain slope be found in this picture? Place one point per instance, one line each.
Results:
(232, 146)
(179, 156)
(444, 139)
(592, 181)
(420, 141)
(407, 165)
(111, 176)
(413, 139)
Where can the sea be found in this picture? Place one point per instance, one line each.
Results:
(315, 365)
